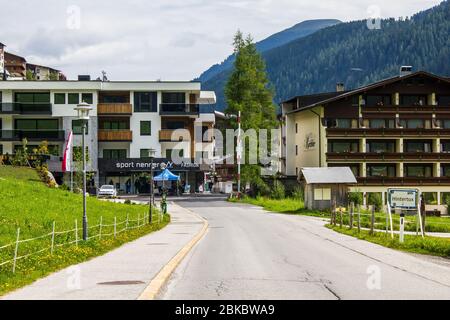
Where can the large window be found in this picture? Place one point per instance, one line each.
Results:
(114, 153)
(381, 123)
(445, 170)
(60, 98)
(73, 98)
(445, 146)
(339, 146)
(36, 124)
(413, 123)
(87, 97)
(381, 170)
(413, 100)
(114, 125)
(77, 127)
(32, 97)
(443, 100)
(174, 97)
(145, 102)
(417, 146)
(146, 128)
(418, 170)
(380, 146)
(378, 100)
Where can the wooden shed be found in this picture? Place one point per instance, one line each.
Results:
(323, 186)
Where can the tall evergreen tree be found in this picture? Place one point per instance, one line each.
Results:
(248, 90)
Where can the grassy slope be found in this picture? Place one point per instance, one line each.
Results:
(27, 203)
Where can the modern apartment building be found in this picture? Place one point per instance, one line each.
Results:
(392, 133)
(129, 121)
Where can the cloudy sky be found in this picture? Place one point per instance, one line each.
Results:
(161, 39)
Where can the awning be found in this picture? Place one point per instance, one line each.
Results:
(166, 175)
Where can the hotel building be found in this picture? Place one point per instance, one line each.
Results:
(129, 121)
(392, 133)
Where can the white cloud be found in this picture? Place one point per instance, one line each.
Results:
(172, 40)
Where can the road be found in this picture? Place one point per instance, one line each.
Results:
(251, 254)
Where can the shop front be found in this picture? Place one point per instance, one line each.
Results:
(133, 176)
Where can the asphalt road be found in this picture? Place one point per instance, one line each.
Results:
(250, 254)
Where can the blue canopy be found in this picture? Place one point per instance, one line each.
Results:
(166, 175)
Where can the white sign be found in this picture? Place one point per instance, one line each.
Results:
(402, 198)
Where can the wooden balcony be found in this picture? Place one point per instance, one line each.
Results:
(111, 109)
(387, 132)
(165, 135)
(406, 109)
(387, 156)
(115, 135)
(404, 181)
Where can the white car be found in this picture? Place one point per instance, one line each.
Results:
(107, 190)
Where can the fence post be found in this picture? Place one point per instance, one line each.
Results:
(76, 232)
(115, 226)
(334, 212)
(359, 218)
(16, 249)
(126, 224)
(53, 239)
(372, 220)
(342, 218)
(100, 231)
(387, 223)
(351, 216)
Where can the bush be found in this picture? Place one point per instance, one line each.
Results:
(376, 200)
(278, 190)
(128, 201)
(355, 197)
(298, 193)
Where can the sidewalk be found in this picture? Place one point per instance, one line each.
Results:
(123, 273)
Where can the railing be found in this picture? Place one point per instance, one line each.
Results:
(168, 135)
(388, 132)
(405, 109)
(178, 109)
(12, 253)
(32, 135)
(115, 135)
(25, 108)
(114, 109)
(387, 156)
(404, 181)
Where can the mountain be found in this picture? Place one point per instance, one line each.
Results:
(354, 54)
(300, 30)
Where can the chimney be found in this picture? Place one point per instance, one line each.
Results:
(405, 70)
(340, 87)
(84, 77)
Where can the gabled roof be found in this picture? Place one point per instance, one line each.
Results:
(370, 87)
(328, 175)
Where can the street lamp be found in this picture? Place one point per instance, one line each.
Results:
(151, 155)
(83, 115)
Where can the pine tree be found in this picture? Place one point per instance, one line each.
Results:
(248, 90)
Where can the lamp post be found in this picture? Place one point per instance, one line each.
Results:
(83, 115)
(151, 154)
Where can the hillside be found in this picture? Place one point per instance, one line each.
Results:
(355, 55)
(298, 31)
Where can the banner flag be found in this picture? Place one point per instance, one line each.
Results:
(66, 164)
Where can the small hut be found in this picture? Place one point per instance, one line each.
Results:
(323, 186)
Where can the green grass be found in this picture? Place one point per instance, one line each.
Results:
(416, 244)
(27, 203)
(287, 206)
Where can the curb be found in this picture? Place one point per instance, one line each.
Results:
(163, 275)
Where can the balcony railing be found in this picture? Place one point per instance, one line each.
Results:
(405, 109)
(387, 132)
(404, 181)
(178, 109)
(115, 135)
(109, 109)
(32, 135)
(387, 156)
(166, 135)
(25, 108)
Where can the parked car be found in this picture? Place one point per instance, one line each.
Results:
(107, 190)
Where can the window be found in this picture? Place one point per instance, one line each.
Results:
(60, 98)
(173, 125)
(380, 146)
(339, 146)
(174, 97)
(381, 123)
(114, 153)
(32, 97)
(114, 125)
(446, 124)
(322, 194)
(343, 123)
(77, 127)
(443, 101)
(381, 170)
(146, 128)
(146, 153)
(419, 171)
(36, 124)
(176, 152)
(73, 98)
(445, 146)
(413, 123)
(413, 100)
(378, 100)
(87, 97)
(430, 197)
(145, 102)
(417, 146)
